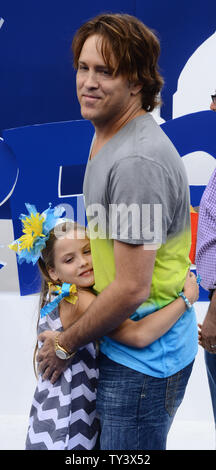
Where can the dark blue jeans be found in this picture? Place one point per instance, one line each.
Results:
(136, 410)
(210, 360)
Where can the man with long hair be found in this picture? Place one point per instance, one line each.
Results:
(140, 244)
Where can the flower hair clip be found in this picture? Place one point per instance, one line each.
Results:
(36, 229)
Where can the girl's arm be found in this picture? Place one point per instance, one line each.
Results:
(70, 313)
(145, 331)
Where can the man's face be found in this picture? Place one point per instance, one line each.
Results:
(103, 98)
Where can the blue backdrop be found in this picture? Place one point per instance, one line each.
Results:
(37, 86)
(37, 81)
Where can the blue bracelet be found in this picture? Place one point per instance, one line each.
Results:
(188, 304)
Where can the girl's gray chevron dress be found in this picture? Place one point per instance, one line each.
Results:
(63, 415)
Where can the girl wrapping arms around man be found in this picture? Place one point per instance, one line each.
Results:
(63, 415)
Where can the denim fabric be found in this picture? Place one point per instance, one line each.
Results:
(136, 410)
(210, 360)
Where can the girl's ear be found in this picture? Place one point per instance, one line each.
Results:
(52, 274)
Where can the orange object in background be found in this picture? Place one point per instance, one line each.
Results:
(194, 225)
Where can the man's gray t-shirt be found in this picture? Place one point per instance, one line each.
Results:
(138, 169)
(136, 191)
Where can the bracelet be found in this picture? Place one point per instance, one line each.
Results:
(187, 302)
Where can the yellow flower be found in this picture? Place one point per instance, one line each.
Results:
(33, 227)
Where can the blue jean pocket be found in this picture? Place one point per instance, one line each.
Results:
(175, 390)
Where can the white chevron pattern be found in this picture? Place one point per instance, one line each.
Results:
(88, 444)
(44, 437)
(63, 415)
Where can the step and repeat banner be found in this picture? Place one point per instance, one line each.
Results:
(44, 142)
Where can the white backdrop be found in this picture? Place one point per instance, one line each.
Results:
(193, 427)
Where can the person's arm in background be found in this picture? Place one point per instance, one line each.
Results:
(207, 335)
(206, 259)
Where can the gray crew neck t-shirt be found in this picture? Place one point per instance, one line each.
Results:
(139, 171)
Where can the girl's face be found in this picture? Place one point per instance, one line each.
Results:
(73, 261)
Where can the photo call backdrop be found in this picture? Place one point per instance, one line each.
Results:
(44, 141)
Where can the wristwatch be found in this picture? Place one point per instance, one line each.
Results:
(61, 352)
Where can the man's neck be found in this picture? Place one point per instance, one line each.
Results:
(104, 133)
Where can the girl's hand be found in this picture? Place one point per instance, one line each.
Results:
(191, 288)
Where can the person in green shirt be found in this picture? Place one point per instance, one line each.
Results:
(140, 258)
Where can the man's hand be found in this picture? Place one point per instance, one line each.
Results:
(48, 363)
(207, 335)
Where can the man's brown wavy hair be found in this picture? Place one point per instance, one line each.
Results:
(134, 47)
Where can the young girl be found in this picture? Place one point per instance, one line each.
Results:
(63, 414)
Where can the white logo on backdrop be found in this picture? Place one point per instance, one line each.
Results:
(199, 167)
(196, 83)
(1, 22)
(197, 80)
